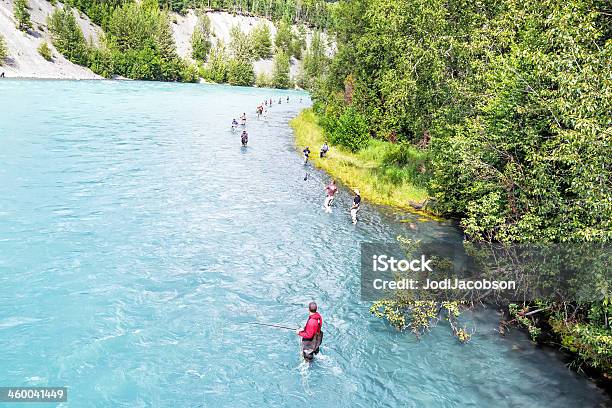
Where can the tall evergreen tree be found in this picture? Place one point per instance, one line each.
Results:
(280, 75)
(261, 40)
(200, 39)
(67, 36)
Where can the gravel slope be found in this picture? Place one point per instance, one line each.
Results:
(24, 60)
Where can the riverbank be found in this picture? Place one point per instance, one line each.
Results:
(377, 181)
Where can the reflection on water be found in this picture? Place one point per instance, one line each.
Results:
(138, 240)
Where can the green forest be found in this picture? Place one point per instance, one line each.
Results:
(508, 105)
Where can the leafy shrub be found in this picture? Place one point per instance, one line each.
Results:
(67, 36)
(45, 51)
(412, 161)
(263, 80)
(240, 72)
(280, 74)
(101, 61)
(349, 130)
(190, 73)
(143, 63)
(261, 41)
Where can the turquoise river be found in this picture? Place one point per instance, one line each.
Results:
(139, 241)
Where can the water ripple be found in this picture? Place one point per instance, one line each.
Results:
(138, 241)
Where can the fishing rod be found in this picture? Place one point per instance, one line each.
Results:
(274, 325)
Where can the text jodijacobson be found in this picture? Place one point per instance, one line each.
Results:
(445, 284)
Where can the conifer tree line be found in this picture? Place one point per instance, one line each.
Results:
(315, 13)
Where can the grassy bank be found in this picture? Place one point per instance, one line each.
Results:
(377, 180)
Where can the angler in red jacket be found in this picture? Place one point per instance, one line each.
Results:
(312, 336)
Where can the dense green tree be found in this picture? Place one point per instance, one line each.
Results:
(163, 38)
(530, 160)
(315, 61)
(141, 44)
(216, 68)
(200, 39)
(240, 44)
(281, 73)
(261, 40)
(98, 11)
(298, 44)
(100, 61)
(349, 130)
(22, 14)
(240, 72)
(284, 37)
(67, 36)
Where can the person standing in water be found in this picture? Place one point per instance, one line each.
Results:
(306, 152)
(324, 150)
(355, 206)
(331, 190)
(312, 336)
(243, 118)
(244, 138)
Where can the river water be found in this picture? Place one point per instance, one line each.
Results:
(138, 240)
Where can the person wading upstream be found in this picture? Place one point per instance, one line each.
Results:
(355, 207)
(324, 150)
(312, 336)
(306, 153)
(331, 190)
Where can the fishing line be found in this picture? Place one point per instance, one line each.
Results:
(274, 325)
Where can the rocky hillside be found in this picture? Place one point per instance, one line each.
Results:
(222, 23)
(24, 59)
